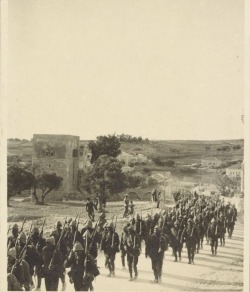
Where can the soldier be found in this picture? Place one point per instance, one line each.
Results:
(29, 253)
(13, 284)
(132, 245)
(213, 236)
(190, 236)
(149, 225)
(231, 218)
(155, 249)
(222, 229)
(175, 242)
(122, 245)
(39, 242)
(90, 238)
(110, 246)
(90, 207)
(101, 222)
(52, 264)
(126, 205)
(71, 235)
(131, 208)
(12, 239)
(75, 261)
(63, 248)
(19, 268)
(140, 228)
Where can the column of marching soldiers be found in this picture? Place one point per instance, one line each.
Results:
(32, 258)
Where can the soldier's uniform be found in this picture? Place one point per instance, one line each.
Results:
(13, 284)
(122, 244)
(175, 242)
(213, 235)
(71, 235)
(11, 241)
(52, 264)
(63, 248)
(19, 268)
(29, 254)
(155, 249)
(76, 262)
(190, 236)
(39, 243)
(132, 245)
(126, 205)
(110, 246)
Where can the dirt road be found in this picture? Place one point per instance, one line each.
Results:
(221, 273)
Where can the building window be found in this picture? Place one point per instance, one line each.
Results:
(81, 151)
(49, 151)
(75, 153)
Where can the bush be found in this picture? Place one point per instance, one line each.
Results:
(74, 196)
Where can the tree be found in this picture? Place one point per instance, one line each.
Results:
(158, 161)
(236, 147)
(227, 185)
(170, 163)
(46, 182)
(18, 180)
(105, 178)
(105, 145)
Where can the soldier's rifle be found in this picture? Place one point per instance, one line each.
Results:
(77, 224)
(24, 221)
(9, 230)
(141, 224)
(41, 232)
(21, 255)
(57, 247)
(180, 228)
(113, 235)
(217, 217)
(182, 234)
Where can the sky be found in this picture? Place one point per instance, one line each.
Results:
(163, 70)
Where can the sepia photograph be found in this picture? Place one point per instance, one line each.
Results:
(125, 165)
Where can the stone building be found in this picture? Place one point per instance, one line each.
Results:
(58, 154)
(211, 162)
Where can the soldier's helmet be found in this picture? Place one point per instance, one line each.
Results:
(125, 228)
(15, 227)
(190, 221)
(35, 230)
(213, 220)
(22, 237)
(58, 224)
(111, 225)
(77, 246)
(12, 252)
(157, 228)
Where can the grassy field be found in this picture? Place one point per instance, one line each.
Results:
(187, 152)
(59, 211)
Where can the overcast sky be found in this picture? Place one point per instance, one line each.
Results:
(169, 69)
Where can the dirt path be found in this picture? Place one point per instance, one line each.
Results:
(221, 273)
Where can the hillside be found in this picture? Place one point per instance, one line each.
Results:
(181, 151)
